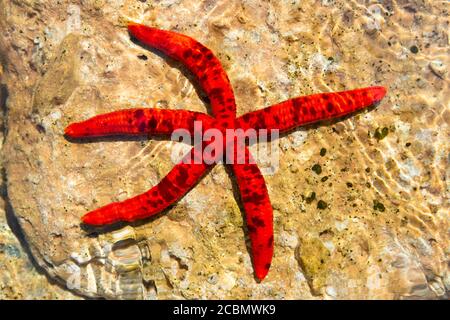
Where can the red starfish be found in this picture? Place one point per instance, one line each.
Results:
(214, 81)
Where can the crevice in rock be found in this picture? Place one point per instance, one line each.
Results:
(11, 219)
(14, 225)
(3, 108)
(150, 285)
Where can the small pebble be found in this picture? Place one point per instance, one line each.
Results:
(438, 68)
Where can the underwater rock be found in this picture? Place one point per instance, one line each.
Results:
(438, 68)
(63, 63)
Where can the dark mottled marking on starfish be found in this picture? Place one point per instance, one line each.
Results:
(297, 113)
(216, 92)
(204, 50)
(167, 124)
(187, 54)
(261, 121)
(138, 114)
(330, 107)
(142, 126)
(165, 191)
(259, 223)
(254, 170)
(182, 176)
(270, 242)
(256, 197)
(296, 103)
(152, 123)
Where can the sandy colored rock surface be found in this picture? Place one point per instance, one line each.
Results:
(372, 224)
(19, 277)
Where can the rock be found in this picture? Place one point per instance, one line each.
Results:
(438, 68)
(62, 63)
(312, 257)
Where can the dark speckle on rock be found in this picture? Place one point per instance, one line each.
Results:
(311, 197)
(322, 205)
(381, 133)
(317, 168)
(378, 206)
(414, 49)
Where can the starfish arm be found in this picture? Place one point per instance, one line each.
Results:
(171, 188)
(258, 212)
(198, 59)
(308, 109)
(137, 122)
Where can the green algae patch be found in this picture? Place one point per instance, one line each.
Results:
(381, 133)
(311, 197)
(234, 216)
(313, 258)
(322, 205)
(377, 205)
(178, 213)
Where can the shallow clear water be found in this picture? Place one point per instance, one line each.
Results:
(377, 225)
